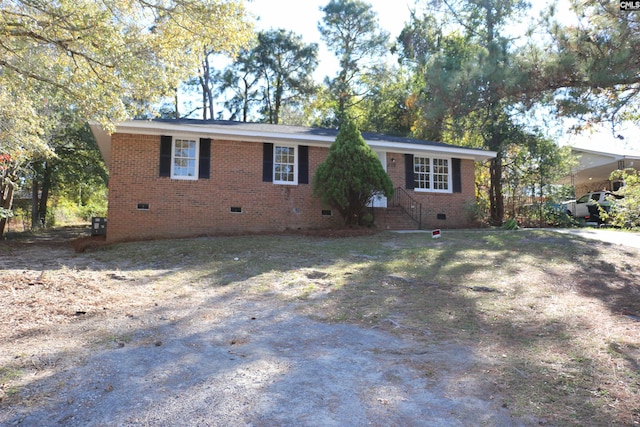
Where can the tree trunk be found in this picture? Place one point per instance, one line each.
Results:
(436, 130)
(245, 106)
(208, 87)
(175, 101)
(35, 190)
(495, 192)
(207, 92)
(210, 95)
(279, 90)
(267, 99)
(6, 201)
(343, 94)
(205, 110)
(44, 194)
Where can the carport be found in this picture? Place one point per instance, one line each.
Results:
(594, 168)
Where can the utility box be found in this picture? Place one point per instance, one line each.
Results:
(98, 226)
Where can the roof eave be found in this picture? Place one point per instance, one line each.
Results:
(103, 138)
(159, 128)
(449, 151)
(613, 156)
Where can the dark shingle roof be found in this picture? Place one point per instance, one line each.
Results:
(297, 130)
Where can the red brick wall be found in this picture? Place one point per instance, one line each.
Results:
(452, 205)
(189, 208)
(202, 207)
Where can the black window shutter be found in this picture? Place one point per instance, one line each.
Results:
(267, 162)
(165, 155)
(303, 164)
(204, 163)
(456, 177)
(408, 171)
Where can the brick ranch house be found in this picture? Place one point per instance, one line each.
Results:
(179, 178)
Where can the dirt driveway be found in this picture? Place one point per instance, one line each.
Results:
(85, 342)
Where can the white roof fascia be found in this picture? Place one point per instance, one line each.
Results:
(227, 134)
(448, 151)
(614, 156)
(103, 139)
(231, 134)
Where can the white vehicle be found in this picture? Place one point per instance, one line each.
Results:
(580, 208)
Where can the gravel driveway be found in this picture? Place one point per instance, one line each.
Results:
(265, 367)
(616, 237)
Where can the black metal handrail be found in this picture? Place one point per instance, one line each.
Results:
(408, 204)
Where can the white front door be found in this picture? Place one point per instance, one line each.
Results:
(379, 200)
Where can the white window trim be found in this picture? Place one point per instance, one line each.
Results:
(295, 164)
(431, 188)
(173, 157)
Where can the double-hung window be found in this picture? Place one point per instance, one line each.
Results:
(184, 163)
(440, 175)
(185, 158)
(284, 165)
(432, 174)
(422, 173)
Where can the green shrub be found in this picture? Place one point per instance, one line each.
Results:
(510, 224)
(625, 212)
(96, 205)
(477, 212)
(546, 215)
(5, 213)
(350, 176)
(67, 211)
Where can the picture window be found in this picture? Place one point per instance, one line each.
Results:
(432, 174)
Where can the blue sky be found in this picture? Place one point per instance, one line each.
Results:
(302, 17)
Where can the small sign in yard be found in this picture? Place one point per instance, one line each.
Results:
(435, 234)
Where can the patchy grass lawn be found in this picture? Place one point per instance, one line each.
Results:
(555, 319)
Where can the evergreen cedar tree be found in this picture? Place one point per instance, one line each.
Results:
(350, 176)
